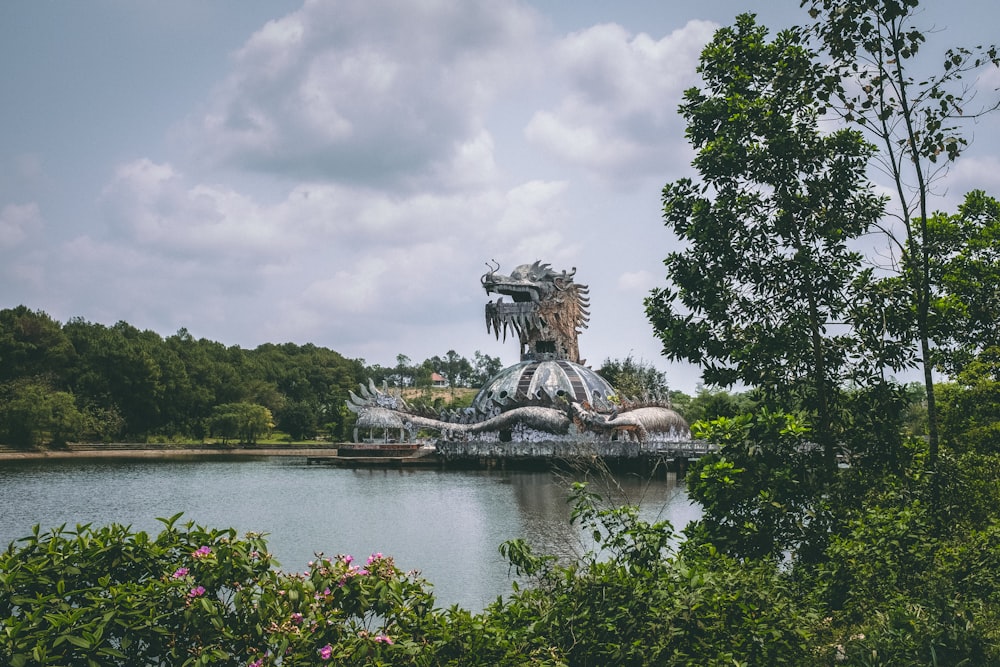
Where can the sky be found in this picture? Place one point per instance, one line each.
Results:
(339, 172)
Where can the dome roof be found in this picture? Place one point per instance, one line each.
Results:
(534, 382)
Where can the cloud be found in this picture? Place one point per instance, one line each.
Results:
(365, 92)
(618, 110)
(637, 282)
(332, 262)
(17, 223)
(972, 172)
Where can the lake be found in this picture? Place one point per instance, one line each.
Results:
(446, 524)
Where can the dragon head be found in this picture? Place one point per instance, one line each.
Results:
(547, 312)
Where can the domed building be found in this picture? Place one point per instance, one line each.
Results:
(550, 382)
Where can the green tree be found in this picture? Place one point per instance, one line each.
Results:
(970, 406)
(298, 420)
(484, 367)
(759, 490)
(455, 368)
(245, 421)
(874, 47)
(765, 273)
(708, 404)
(25, 413)
(117, 368)
(404, 373)
(635, 379)
(965, 270)
(31, 411)
(32, 344)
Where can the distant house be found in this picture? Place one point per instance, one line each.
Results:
(438, 380)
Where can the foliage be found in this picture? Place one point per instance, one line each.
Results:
(197, 596)
(633, 602)
(455, 369)
(32, 412)
(32, 345)
(970, 406)
(965, 268)
(759, 490)
(635, 379)
(127, 383)
(708, 404)
(298, 419)
(765, 270)
(245, 421)
(874, 46)
(904, 587)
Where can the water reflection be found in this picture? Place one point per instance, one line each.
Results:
(446, 524)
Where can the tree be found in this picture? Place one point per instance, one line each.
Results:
(30, 410)
(455, 368)
(32, 344)
(708, 404)
(970, 406)
(764, 276)
(759, 490)
(874, 45)
(484, 367)
(404, 371)
(635, 379)
(299, 420)
(965, 269)
(245, 421)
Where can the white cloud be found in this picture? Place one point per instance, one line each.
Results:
(154, 206)
(618, 110)
(973, 172)
(17, 223)
(379, 91)
(637, 281)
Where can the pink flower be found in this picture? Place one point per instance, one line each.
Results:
(296, 618)
(326, 652)
(384, 639)
(347, 559)
(259, 662)
(180, 572)
(374, 557)
(197, 591)
(201, 552)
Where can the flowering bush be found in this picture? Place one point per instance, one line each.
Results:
(195, 596)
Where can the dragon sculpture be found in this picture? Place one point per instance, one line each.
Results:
(549, 394)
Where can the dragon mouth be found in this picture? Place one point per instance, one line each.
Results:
(518, 293)
(517, 317)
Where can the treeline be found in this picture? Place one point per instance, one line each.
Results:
(87, 381)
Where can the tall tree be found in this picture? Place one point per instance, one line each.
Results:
(635, 379)
(764, 273)
(965, 268)
(874, 47)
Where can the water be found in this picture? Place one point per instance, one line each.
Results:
(446, 524)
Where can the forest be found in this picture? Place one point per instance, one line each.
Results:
(82, 381)
(86, 381)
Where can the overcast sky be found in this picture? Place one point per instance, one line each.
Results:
(338, 172)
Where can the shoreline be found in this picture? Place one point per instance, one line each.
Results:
(145, 451)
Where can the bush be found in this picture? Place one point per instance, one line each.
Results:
(194, 596)
(633, 602)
